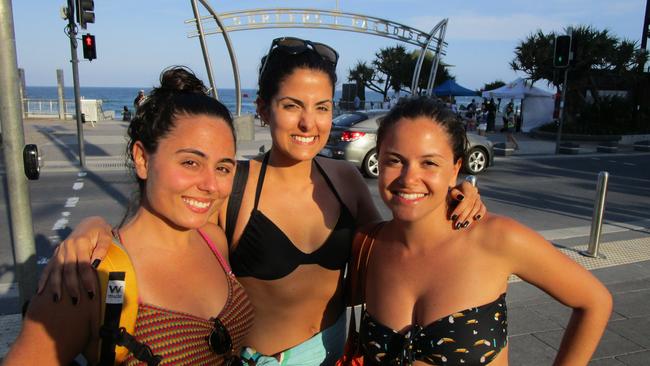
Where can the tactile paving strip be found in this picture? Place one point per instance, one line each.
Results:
(615, 253)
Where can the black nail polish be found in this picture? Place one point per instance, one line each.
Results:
(55, 298)
(457, 226)
(460, 197)
(454, 217)
(96, 263)
(477, 217)
(91, 294)
(465, 224)
(75, 300)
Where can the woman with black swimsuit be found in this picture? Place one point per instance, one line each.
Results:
(421, 272)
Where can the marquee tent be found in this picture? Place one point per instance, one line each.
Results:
(450, 88)
(536, 104)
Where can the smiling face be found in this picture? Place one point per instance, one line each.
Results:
(190, 174)
(416, 169)
(300, 114)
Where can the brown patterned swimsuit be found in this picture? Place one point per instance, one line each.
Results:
(181, 339)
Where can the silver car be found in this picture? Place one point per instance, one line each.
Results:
(354, 138)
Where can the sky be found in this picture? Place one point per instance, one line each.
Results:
(137, 39)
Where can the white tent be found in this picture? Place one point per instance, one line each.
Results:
(536, 104)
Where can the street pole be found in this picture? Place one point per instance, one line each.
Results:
(22, 232)
(559, 127)
(72, 34)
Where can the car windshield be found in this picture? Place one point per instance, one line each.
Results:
(348, 119)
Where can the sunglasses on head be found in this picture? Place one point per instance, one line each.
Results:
(296, 46)
(221, 343)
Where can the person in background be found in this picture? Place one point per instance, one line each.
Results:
(139, 99)
(509, 124)
(126, 114)
(436, 295)
(290, 227)
(191, 309)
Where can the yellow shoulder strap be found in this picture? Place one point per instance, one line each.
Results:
(116, 288)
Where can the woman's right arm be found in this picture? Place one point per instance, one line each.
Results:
(54, 333)
(74, 260)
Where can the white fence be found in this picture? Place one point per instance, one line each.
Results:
(49, 108)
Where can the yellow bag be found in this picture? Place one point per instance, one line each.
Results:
(119, 310)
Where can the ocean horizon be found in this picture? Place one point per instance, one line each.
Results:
(115, 98)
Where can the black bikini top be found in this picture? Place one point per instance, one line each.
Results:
(265, 252)
(474, 336)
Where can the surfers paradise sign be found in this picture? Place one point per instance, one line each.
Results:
(224, 23)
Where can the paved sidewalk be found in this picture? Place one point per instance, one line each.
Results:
(536, 321)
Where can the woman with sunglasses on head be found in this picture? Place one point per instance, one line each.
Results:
(191, 310)
(436, 295)
(291, 219)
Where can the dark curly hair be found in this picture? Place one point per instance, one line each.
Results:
(180, 93)
(281, 64)
(438, 112)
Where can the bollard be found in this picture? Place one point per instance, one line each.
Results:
(597, 218)
(471, 179)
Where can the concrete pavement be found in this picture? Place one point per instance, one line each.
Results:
(536, 321)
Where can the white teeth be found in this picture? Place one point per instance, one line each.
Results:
(196, 203)
(303, 139)
(411, 196)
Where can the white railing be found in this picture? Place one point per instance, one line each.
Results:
(50, 108)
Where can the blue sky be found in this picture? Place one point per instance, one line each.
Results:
(137, 39)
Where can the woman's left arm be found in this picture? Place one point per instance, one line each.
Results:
(536, 261)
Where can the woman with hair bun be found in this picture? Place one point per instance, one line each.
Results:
(191, 310)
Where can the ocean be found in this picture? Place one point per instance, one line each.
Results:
(115, 98)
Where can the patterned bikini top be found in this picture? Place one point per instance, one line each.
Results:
(181, 338)
(474, 336)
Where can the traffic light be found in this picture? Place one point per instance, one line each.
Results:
(562, 51)
(90, 52)
(85, 12)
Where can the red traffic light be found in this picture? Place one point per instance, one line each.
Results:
(88, 41)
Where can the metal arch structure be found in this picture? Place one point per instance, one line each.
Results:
(224, 23)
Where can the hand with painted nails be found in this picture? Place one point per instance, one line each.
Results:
(466, 206)
(73, 262)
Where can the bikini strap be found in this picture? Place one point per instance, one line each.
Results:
(236, 195)
(222, 261)
(329, 182)
(260, 179)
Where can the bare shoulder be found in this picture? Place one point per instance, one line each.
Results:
(218, 238)
(500, 233)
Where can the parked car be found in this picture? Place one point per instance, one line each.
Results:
(354, 138)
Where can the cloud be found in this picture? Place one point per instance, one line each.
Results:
(508, 27)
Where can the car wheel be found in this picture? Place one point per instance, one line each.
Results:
(371, 164)
(476, 161)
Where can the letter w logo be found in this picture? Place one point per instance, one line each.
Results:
(115, 290)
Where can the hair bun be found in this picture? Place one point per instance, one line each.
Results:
(181, 79)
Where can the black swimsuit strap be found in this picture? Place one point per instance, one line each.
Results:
(260, 181)
(329, 183)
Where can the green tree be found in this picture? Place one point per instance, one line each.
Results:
(599, 55)
(442, 73)
(492, 85)
(392, 69)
